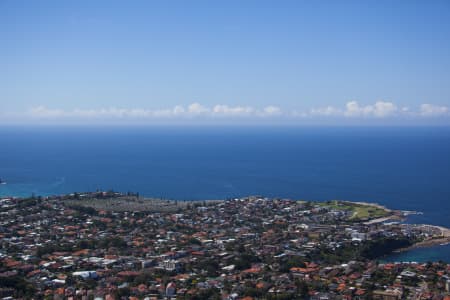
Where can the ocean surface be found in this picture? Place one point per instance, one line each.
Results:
(404, 168)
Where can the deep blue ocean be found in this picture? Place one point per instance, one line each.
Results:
(404, 168)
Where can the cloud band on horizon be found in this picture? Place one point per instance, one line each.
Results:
(352, 110)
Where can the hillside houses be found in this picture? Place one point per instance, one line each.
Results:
(250, 247)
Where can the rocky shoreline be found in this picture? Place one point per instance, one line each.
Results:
(434, 241)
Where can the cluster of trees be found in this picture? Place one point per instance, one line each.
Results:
(84, 209)
(22, 288)
(110, 242)
(211, 293)
(367, 250)
(291, 262)
(245, 260)
(50, 248)
(24, 203)
(379, 247)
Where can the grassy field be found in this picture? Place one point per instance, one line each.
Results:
(139, 204)
(368, 212)
(360, 211)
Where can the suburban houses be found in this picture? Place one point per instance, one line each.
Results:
(107, 245)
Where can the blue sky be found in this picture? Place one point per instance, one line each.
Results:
(162, 61)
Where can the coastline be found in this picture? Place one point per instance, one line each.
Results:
(433, 241)
(375, 205)
(243, 238)
(441, 239)
(440, 235)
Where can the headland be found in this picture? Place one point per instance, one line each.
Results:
(109, 245)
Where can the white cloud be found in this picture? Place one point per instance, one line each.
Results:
(351, 110)
(237, 110)
(326, 111)
(299, 114)
(383, 109)
(45, 112)
(430, 110)
(178, 110)
(380, 109)
(193, 110)
(270, 111)
(197, 108)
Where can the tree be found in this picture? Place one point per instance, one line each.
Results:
(302, 288)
